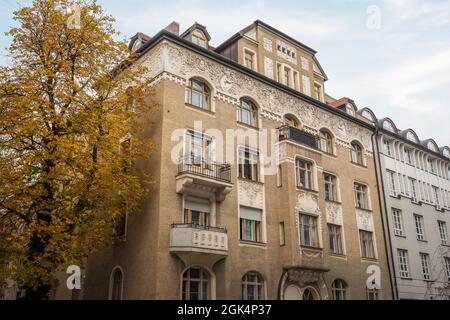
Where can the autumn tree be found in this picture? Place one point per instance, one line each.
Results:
(72, 104)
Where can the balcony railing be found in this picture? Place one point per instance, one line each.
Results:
(208, 169)
(297, 135)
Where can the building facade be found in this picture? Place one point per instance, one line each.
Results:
(263, 191)
(415, 179)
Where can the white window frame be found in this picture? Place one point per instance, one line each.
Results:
(425, 266)
(397, 222)
(403, 263)
(420, 227)
(442, 225)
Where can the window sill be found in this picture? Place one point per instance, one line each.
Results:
(422, 240)
(307, 190)
(406, 278)
(253, 243)
(311, 248)
(367, 259)
(358, 165)
(400, 236)
(337, 255)
(191, 106)
(250, 180)
(364, 209)
(334, 201)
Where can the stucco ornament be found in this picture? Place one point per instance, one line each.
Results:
(307, 202)
(303, 277)
(225, 83)
(251, 194)
(334, 213)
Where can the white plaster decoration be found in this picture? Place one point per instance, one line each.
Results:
(231, 85)
(307, 202)
(306, 85)
(251, 194)
(268, 45)
(286, 52)
(268, 67)
(364, 220)
(251, 34)
(305, 63)
(334, 213)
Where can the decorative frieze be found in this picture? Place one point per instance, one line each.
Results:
(364, 220)
(251, 194)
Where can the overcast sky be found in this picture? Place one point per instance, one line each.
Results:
(399, 67)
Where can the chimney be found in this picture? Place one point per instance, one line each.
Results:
(174, 28)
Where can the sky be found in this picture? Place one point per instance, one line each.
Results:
(392, 56)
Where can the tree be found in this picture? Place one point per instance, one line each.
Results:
(72, 111)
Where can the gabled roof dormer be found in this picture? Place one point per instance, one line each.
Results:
(197, 34)
(345, 104)
(430, 144)
(388, 124)
(368, 114)
(410, 135)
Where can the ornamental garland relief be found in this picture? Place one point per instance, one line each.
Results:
(251, 194)
(273, 102)
(364, 220)
(334, 213)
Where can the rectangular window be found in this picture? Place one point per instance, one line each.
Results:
(425, 263)
(330, 187)
(308, 231)
(392, 188)
(412, 188)
(397, 221)
(296, 79)
(436, 198)
(387, 147)
(443, 232)
(249, 59)
(403, 264)
(430, 165)
(317, 92)
(198, 149)
(286, 76)
(366, 242)
(248, 164)
(409, 156)
(306, 85)
(420, 231)
(447, 267)
(282, 234)
(335, 239)
(304, 174)
(360, 192)
(250, 224)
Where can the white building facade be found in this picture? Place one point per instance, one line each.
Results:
(415, 179)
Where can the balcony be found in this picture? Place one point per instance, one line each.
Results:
(197, 176)
(195, 244)
(298, 136)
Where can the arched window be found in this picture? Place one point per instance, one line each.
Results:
(247, 113)
(357, 153)
(196, 284)
(116, 286)
(198, 94)
(308, 295)
(252, 286)
(326, 141)
(372, 294)
(199, 38)
(291, 121)
(338, 288)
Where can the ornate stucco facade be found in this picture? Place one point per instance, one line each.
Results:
(227, 228)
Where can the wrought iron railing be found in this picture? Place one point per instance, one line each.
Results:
(208, 169)
(297, 135)
(199, 227)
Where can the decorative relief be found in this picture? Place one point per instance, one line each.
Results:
(364, 220)
(307, 202)
(273, 102)
(334, 213)
(268, 45)
(303, 277)
(268, 67)
(251, 194)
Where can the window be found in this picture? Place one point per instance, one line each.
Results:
(250, 224)
(447, 267)
(326, 141)
(317, 92)
(291, 121)
(195, 284)
(408, 156)
(350, 110)
(304, 174)
(199, 38)
(372, 294)
(248, 164)
(443, 232)
(286, 76)
(198, 149)
(412, 186)
(247, 113)
(195, 217)
(420, 233)
(338, 289)
(308, 231)
(330, 187)
(357, 153)
(425, 263)
(366, 242)
(252, 287)
(249, 59)
(397, 220)
(335, 239)
(403, 264)
(198, 95)
(306, 85)
(387, 147)
(117, 284)
(282, 234)
(430, 165)
(392, 189)
(360, 191)
(296, 79)
(436, 196)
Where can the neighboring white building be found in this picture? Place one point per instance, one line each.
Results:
(415, 179)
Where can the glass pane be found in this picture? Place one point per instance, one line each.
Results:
(196, 98)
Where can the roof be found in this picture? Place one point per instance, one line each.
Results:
(196, 26)
(342, 102)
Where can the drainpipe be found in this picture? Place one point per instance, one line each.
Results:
(381, 193)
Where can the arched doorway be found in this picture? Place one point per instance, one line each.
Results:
(292, 292)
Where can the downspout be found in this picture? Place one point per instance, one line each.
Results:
(381, 193)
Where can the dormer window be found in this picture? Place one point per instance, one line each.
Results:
(199, 38)
(350, 110)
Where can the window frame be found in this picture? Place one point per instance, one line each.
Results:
(397, 223)
(252, 157)
(201, 282)
(249, 108)
(443, 235)
(339, 287)
(357, 153)
(312, 230)
(258, 286)
(425, 266)
(203, 90)
(326, 141)
(335, 236)
(364, 192)
(330, 183)
(403, 263)
(419, 224)
(307, 170)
